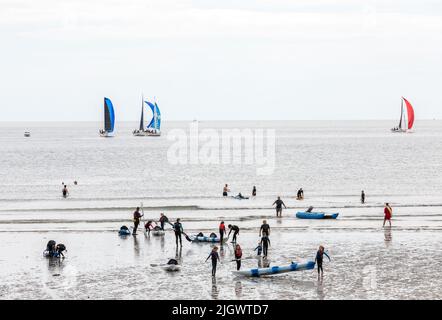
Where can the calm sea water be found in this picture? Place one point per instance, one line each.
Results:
(331, 161)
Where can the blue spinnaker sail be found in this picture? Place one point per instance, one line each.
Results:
(155, 123)
(109, 115)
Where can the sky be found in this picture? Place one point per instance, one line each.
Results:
(220, 60)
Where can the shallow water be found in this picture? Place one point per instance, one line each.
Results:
(332, 161)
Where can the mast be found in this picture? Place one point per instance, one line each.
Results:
(142, 114)
(402, 113)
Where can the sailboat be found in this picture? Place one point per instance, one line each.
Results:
(140, 132)
(109, 119)
(406, 120)
(154, 127)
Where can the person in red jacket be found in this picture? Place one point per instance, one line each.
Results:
(238, 255)
(388, 212)
(222, 232)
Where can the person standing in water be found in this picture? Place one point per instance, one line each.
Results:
(226, 190)
(65, 191)
(235, 230)
(319, 258)
(258, 249)
(238, 255)
(279, 203)
(265, 242)
(300, 194)
(178, 228)
(222, 232)
(215, 258)
(362, 197)
(388, 212)
(163, 220)
(265, 229)
(254, 191)
(137, 219)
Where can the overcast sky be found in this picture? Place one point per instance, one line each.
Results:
(220, 59)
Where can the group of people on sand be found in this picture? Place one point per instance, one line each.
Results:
(149, 225)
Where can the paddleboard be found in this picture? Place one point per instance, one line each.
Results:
(257, 272)
(316, 215)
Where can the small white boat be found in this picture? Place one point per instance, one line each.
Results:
(27, 134)
(109, 119)
(406, 120)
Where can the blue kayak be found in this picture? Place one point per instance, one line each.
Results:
(124, 232)
(316, 215)
(276, 269)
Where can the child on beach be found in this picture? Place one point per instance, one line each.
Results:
(258, 248)
(388, 212)
(319, 258)
(238, 255)
(215, 258)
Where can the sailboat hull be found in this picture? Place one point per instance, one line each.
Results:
(106, 135)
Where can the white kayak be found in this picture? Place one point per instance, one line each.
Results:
(257, 272)
(158, 232)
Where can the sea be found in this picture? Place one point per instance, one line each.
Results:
(332, 161)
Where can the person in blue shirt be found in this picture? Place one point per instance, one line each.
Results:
(258, 249)
(319, 258)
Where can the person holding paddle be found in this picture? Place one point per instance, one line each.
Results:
(388, 212)
(137, 219)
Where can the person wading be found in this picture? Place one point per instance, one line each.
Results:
(279, 203)
(388, 213)
(215, 258)
(238, 255)
(137, 219)
(222, 232)
(265, 229)
(178, 228)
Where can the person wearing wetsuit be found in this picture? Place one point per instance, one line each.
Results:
(265, 242)
(319, 258)
(50, 247)
(60, 248)
(225, 190)
(238, 255)
(222, 232)
(254, 191)
(137, 219)
(65, 191)
(265, 229)
(258, 249)
(163, 220)
(279, 203)
(215, 258)
(235, 230)
(178, 228)
(362, 197)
